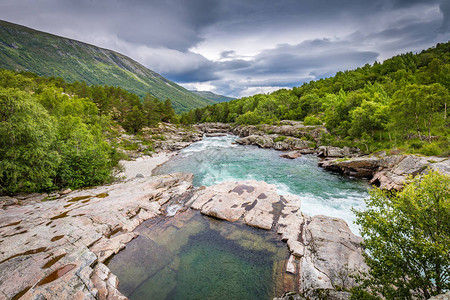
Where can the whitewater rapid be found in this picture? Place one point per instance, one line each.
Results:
(217, 159)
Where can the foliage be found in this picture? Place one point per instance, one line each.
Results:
(281, 138)
(28, 159)
(115, 103)
(312, 120)
(49, 55)
(376, 106)
(53, 134)
(406, 236)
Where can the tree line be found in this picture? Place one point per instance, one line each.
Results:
(54, 134)
(401, 103)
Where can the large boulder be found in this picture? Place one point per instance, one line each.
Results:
(329, 151)
(324, 251)
(291, 154)
(261, 141)
(387, 172)
(252, 201)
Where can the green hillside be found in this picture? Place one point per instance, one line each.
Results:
(214, 97)
(25, 49)
(400, 103)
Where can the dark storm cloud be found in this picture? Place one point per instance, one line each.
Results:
(445, 10)
(310, 55)
(243, 46)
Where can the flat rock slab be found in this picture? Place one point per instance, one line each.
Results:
(55, 249)
(252, 201)
(324, 250)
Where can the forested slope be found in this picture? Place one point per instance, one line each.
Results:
(25, 49)
(401, 102)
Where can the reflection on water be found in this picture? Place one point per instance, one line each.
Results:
(191, 256)
(218, 159)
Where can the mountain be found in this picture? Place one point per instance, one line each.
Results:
(26, 49)
(214, 97)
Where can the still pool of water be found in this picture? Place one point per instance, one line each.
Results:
(218, 159)
(191, 256)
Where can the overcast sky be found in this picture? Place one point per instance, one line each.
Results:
(243, 47)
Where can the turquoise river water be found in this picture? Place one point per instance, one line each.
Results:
(218, 159)
(191, 256)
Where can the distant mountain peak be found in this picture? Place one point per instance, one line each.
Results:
(212, 96)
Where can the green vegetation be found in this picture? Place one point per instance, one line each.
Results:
(406, 238)
(25, 49)
(401, 103)
(54, 134)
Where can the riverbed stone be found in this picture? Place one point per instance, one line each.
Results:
(291, 265)
(291, 154)
(387, 172)
(74, 234)
(325, 249)
(330, 151)
(248, 200)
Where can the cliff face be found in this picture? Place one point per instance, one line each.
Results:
(25, 49)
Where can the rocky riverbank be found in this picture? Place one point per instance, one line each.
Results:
(55, 246)
(387, 172)
(57, 249)
(163, 138)
(289, 135)
(324, 252)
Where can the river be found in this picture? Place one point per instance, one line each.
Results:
(218, 159)
(191, 256)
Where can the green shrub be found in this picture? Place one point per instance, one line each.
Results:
(281, 138)
(417, 144)
(430, 149)
(130, 146)
(28, 158)
(311, 120)
(85, 158)
(158, 137)
(406, 236)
